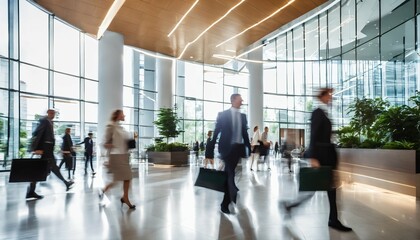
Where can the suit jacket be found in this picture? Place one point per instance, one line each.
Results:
(44, 133)
(88, 145)
(320, 146)
(225, 130)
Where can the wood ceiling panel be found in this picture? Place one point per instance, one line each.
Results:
(146, 23)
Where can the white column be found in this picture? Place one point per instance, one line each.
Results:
(165, 82)
(110, 68)
(256, 91)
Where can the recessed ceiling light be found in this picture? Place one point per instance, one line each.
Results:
(191, 57)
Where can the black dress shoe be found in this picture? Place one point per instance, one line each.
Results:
(225, 210)
(69, 185)
(337, 225)
(34, 195)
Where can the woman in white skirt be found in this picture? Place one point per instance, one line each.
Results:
(116, 138)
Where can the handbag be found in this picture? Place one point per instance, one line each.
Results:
(29, 170)
(131, 144)
(315, 179)
(211, 179)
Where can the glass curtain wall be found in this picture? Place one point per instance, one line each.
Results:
(202, 91)
(44, 63)
(360, 48)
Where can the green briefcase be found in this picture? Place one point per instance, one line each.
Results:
(211, 179)
(315, 179)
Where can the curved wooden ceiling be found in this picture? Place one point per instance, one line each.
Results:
(146, 23)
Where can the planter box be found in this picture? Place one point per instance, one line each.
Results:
(394, 170)
(169, 158)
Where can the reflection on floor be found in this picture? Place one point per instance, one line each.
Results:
(170, 207)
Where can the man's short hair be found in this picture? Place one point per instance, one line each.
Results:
(234, 96)
(90, 134)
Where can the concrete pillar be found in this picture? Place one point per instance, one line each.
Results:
(165, 82)
(110, 90)
(256, 91)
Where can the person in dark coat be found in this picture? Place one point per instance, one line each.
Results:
(67, 151)
(209, 153)
(322, 153)
(276, 149)
(231, 131)
(88, 142)
(43, 142)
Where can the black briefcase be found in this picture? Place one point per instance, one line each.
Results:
(315, 179)
(211, 179)
(29, 170)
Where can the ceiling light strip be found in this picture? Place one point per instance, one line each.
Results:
(112, 11)
(208, 28)
(253, 49)
(304, 20)
(258, 23)
(153, 54)
(226, 57)
(179, 22)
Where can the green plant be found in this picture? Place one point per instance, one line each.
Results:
(167, 123)
(365, 112)
(167, 147)
(399, 145)
(347, 137)
(374, 125)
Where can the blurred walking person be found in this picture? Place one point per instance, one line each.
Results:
(116, 142)
(231, 131)
(43, 142)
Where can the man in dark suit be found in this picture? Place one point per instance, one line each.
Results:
(322, 153)
(43, 142)
(231, 130)
(88, 142)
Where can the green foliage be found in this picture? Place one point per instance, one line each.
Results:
(167, 147)
(365, 112)
(370, 143)
(376, 125)
(347, 137)
(399, 145)
(167, 123)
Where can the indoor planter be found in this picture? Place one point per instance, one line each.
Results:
(380, 146)
(164, 152)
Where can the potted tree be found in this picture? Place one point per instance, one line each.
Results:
(166, 152)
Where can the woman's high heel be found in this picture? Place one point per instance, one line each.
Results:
(129, 205)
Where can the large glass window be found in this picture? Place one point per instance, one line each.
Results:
(348, 27)
(194, 80)
(66, 86)
(4, 73)
(66, 48)
(33, 79)
(91, 91)
(213, 83)
(367, 20)
(34, 40)
(395, 12)
(312, 40)
(91, 57)
(334, 28)
(4, 28)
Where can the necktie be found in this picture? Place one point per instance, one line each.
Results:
(237, 126)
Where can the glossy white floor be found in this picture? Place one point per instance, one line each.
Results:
(170, 207)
